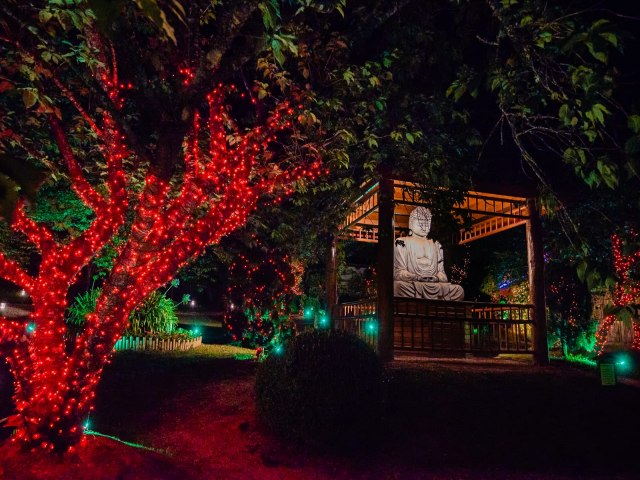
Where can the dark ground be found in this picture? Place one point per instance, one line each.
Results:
(444, 420)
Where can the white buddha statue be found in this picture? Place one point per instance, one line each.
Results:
(418, 270)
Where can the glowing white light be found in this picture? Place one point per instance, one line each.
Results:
(3, 305)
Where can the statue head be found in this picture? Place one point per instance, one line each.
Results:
(420, 221)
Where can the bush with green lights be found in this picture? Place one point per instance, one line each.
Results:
(321, 387)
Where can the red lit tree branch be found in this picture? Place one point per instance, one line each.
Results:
(626, 296)
(221, 185)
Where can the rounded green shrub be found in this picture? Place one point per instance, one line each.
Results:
(323, 387)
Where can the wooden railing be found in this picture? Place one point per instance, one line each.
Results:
(503, 328)
(358, 318)
(443, 326)
(462, 327)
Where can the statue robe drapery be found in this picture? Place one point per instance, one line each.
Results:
(419, 270)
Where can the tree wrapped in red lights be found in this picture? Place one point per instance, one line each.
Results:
(569, 304)
(626, 295)
(221, 185)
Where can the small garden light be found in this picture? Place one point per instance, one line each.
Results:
(23, 293)
(86, 424)
(196, 330)
(278, 349)
(623, 363)
(308, 312)
(192, 303)
(3, 305)
(31, 327)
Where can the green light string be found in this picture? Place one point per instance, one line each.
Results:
(128, 444)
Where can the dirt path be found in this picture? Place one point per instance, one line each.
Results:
(443, 421)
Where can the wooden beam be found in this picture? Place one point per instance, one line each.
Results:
(535, 253)
(385, 269)
(332, 280)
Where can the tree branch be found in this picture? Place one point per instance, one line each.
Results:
(39, 235)
(12, 272)
(79, 183)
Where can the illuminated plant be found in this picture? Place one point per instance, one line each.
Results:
(263, 285)
(626, 296)
(220, 186)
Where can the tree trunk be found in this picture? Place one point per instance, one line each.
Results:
(535, 252)
(49, 403)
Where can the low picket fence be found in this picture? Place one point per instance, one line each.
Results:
(140, 343)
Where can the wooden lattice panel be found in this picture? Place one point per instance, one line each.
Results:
(488, 227)
(481, 205)
(363, 209)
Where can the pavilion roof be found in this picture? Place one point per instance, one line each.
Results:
(490, 213)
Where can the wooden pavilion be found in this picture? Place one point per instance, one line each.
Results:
(397, 325)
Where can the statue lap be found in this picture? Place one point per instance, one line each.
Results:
(428, 290)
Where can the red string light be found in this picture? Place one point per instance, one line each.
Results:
(266, 281)
(188, 75)
(626, 292)
(55, 382)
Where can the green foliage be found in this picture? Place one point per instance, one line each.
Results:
(103, 262)
(325, 386)
(58, 207)
(504, 267)
(82, 305)
(261, 329)
(262, 286)
(209, 270)
(569, 304)
(555, 83)
(360, 284)
(14, 246)
(157, 314)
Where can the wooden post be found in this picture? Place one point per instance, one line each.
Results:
(332, 280)
(536, 282)
(385, 269)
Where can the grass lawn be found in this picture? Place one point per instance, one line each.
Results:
(444, 420)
